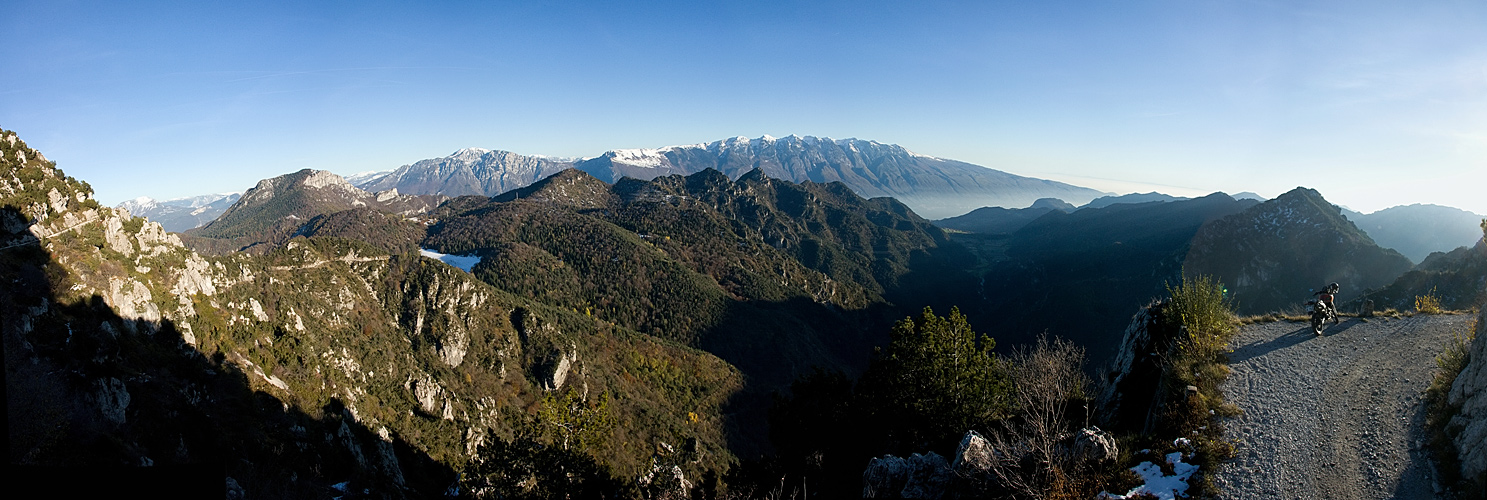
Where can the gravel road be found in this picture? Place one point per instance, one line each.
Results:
(1337, 416)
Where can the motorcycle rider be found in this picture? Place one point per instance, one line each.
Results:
(1326, 296)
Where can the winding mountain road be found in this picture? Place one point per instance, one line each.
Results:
(1338, 416)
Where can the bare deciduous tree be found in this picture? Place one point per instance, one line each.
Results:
(1033, 455)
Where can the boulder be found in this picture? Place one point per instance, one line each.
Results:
(973, 456)
(1095, 445)
(925, 475)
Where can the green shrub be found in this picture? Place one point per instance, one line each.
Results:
(1428, 303)
(1200, 307)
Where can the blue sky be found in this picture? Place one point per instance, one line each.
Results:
(1374, 104)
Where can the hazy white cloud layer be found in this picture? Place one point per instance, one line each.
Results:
(1374, 104)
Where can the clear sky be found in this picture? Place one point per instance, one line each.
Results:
(1374, 104)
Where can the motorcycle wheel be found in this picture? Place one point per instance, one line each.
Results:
(1317, 323)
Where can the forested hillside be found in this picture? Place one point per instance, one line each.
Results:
(773, 276)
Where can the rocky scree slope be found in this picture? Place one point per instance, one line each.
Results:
(322, 361)
(1335, 416)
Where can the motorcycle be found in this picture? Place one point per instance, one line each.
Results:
(1320, 313)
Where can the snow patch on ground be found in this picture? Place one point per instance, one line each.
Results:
(464, 262)
(1161, 485)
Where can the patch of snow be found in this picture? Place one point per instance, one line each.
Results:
(1156, 483)
(464, 262)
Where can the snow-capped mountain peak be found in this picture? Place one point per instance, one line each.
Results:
(647, 158)
(141, 202)
(469, 154)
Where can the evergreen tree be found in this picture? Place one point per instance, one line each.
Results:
(936, 379)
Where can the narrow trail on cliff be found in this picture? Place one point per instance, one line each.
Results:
(1336, 416)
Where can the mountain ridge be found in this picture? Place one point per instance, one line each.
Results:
(933, 186)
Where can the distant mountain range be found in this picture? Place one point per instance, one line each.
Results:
(181, 214)
(470, 171)
(997, 220)
(933, 187)
(1418, 230)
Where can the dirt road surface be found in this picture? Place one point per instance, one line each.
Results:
(1338, 416)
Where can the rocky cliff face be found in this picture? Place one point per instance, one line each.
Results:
(1470, 425)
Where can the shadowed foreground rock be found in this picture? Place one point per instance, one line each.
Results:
(971, 475)
(1470, 426)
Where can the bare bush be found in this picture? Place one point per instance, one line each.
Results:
(1034, 456)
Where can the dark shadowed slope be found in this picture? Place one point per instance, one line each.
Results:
(1273, 255)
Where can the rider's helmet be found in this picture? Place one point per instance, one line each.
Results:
(1333, 288)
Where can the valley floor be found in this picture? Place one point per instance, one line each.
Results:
(1336, 416)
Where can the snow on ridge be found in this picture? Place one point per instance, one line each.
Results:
(557, 159)
(646, 158)
(470, 151)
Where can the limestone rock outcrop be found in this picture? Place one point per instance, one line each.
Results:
(1470, 426)
(925, 475)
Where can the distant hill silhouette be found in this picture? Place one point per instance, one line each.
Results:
(998, 220)
(1458, 278)
(1105, 201)
(1418, 230)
